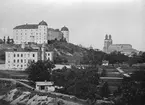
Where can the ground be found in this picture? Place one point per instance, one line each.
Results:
(13, 74)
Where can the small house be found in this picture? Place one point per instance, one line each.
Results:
(105, 63)
(45, 86)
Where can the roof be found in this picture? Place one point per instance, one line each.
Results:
(27, 26)
(43, 23)
(64, 28)
(44, 83)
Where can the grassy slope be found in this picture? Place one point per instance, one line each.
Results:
(13, 74)
(71, 52)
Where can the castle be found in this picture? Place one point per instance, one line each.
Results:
(123, 48)
(38, 33)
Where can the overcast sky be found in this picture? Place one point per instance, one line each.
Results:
(88, 20)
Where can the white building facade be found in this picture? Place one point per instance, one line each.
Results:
(45, 86)
(37, 33)
(19, 60)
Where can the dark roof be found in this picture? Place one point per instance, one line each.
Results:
(43, 23)
(64, 29)
(27, 26)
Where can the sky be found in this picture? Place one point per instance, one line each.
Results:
(88, 20)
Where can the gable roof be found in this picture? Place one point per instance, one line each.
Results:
(27, 26)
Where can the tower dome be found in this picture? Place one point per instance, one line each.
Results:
(43, 23)
(64, 28)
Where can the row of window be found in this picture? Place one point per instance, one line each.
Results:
(30, 30)
(20, 61)
(31, 33)
(18, 66)
(21, 55)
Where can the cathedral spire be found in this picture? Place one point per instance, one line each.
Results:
(106, 37)
(109, 36)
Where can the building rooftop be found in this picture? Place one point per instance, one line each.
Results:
(43, 23)
(44, 83)
(64, 28)
(27, 26)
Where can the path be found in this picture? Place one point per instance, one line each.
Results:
(122, 72)
(17, 81)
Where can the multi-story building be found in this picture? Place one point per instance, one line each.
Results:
(37, 33)
(123, 48)
(20, 58)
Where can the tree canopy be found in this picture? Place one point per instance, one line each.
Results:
(79, 82)
(40, 70)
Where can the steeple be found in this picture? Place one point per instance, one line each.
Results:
(110, 37)
(106, 37)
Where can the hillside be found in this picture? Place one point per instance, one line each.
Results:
(12, 94)
(63, 52)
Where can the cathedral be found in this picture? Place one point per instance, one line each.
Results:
(123, 48)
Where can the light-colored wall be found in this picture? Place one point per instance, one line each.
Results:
(49, 55)
(19, 60)
(30, 35)
(66, 35)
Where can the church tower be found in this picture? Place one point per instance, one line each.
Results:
(107, 43)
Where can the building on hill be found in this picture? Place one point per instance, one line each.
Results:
(65, 32)
(19, 58)
(54, 34)
(123, 48)
(37, 33)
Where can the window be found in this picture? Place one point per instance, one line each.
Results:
(18, 60)
(21, 65)
(48, 54)
(25, 60)
(21, 60)
(28, 55)
(14, 60)
(42, 87)
(21, 55)
(14, 55)
(33, 55)
(17, 55)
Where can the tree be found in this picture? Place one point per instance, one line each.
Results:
(82, 83)
(40, 70)
(132, 90)
(105, 90)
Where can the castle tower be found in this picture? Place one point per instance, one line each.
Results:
(42, 28)
(107, 43)
(65, 32)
